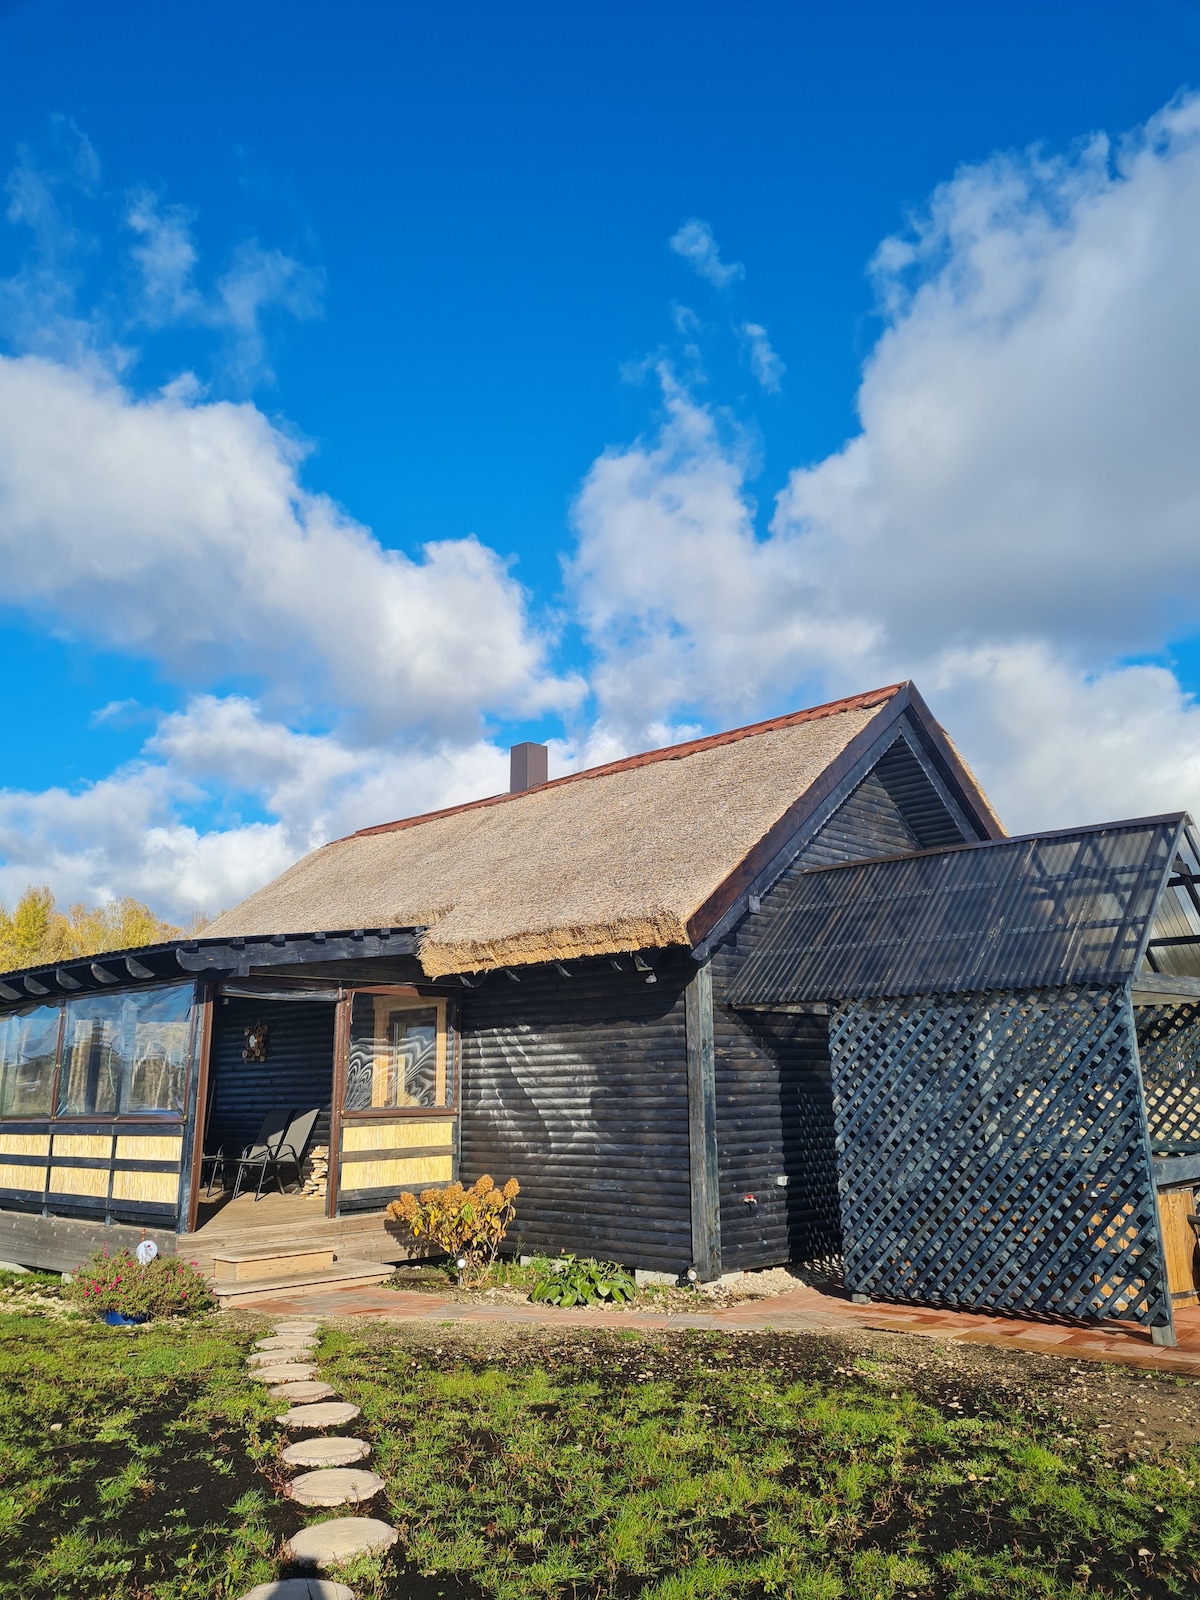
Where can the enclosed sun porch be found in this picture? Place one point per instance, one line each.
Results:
(231, 1099)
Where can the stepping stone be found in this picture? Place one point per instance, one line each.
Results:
(300, 1589)
(282, 1329)
(328, 1414)
(302, 1392)
(280, 1341)
(340, 1539)
(335, 1486)
(286, 1372)
(326, 1450)
(276, 1358)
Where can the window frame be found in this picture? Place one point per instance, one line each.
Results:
(405, 998)
(81, 1120)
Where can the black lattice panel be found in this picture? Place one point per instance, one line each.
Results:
(992, 1153)
(1169, 1046)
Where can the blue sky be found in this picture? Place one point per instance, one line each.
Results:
(358, 415)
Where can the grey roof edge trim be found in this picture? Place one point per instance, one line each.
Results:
(821, 808)
(196, 956)
(1182, 818)
(958, 778)
(905, 715)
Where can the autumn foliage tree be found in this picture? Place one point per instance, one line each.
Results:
(36, 931)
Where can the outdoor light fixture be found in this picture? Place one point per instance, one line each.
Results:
(692, 1275)
(642, 965)
(461, 1264)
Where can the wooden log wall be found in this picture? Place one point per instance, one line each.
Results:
(774, 1095)
(297, 1074)
(577, 1087)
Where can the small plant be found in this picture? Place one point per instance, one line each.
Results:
(166, 1287)
(569, 1281)
(468, 1224)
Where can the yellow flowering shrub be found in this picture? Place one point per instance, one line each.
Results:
(465, 1223)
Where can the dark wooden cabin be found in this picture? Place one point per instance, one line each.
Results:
(636, 990)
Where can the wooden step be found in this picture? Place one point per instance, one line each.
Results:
(269, 1261)
(343, 1274)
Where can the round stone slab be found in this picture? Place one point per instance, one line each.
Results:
(302, 1392)
(300, 1589)
(326, 1450)
(335, 1486)
(295, 1325)
(280, 1341)
(286, 1372)
(276, 1358)
(340, 1539)
(329, 1414)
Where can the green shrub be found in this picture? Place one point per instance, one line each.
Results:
(168, 1287)
(569, 1281)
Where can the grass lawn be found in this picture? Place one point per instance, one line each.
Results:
(527, 1463)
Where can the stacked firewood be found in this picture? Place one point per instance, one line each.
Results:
(314, 1175)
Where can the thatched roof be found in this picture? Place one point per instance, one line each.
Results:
(621, 857)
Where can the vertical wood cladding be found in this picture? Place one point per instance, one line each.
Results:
(774, 1094)
(577, 1087)
(298, 1071)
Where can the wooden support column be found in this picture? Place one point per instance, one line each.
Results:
(195, 1126)
(702, 1125)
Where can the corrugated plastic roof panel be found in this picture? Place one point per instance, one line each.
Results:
(1045, 909)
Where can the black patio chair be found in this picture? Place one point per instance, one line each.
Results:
(288, 1152)
(270, 1135)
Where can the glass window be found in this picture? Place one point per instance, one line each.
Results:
(125, 1052)
(397, 1054)
(28, 1048)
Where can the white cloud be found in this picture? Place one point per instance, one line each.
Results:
(180, 532)
(1020, 511)
(256, 281)
(695, 243)
(130, 833)
(683, 605)
(765, 363)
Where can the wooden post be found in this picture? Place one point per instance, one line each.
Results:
(341, 1060)
(197, 1111)
(702, 1125)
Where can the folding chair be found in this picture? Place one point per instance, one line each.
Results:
(270, 1136)
(288, 1152)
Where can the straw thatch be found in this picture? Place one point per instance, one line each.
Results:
(618, 858)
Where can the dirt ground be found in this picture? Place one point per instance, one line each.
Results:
(1132, 1414)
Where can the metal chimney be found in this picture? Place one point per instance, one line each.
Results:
(528, 765)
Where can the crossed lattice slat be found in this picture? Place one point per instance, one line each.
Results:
(1169, 1046)
(992, 1153)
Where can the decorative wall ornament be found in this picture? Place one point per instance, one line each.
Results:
(256, 1042)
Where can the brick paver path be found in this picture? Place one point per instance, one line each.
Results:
(803, 1309)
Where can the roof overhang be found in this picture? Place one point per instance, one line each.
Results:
(213, 958)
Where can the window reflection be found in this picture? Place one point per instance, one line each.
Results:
(397, 1055)
(125, 1052)
(28, 1047)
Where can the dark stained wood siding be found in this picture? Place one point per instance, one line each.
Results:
(774, 1096)
(577, 1087)
(298, 1071)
